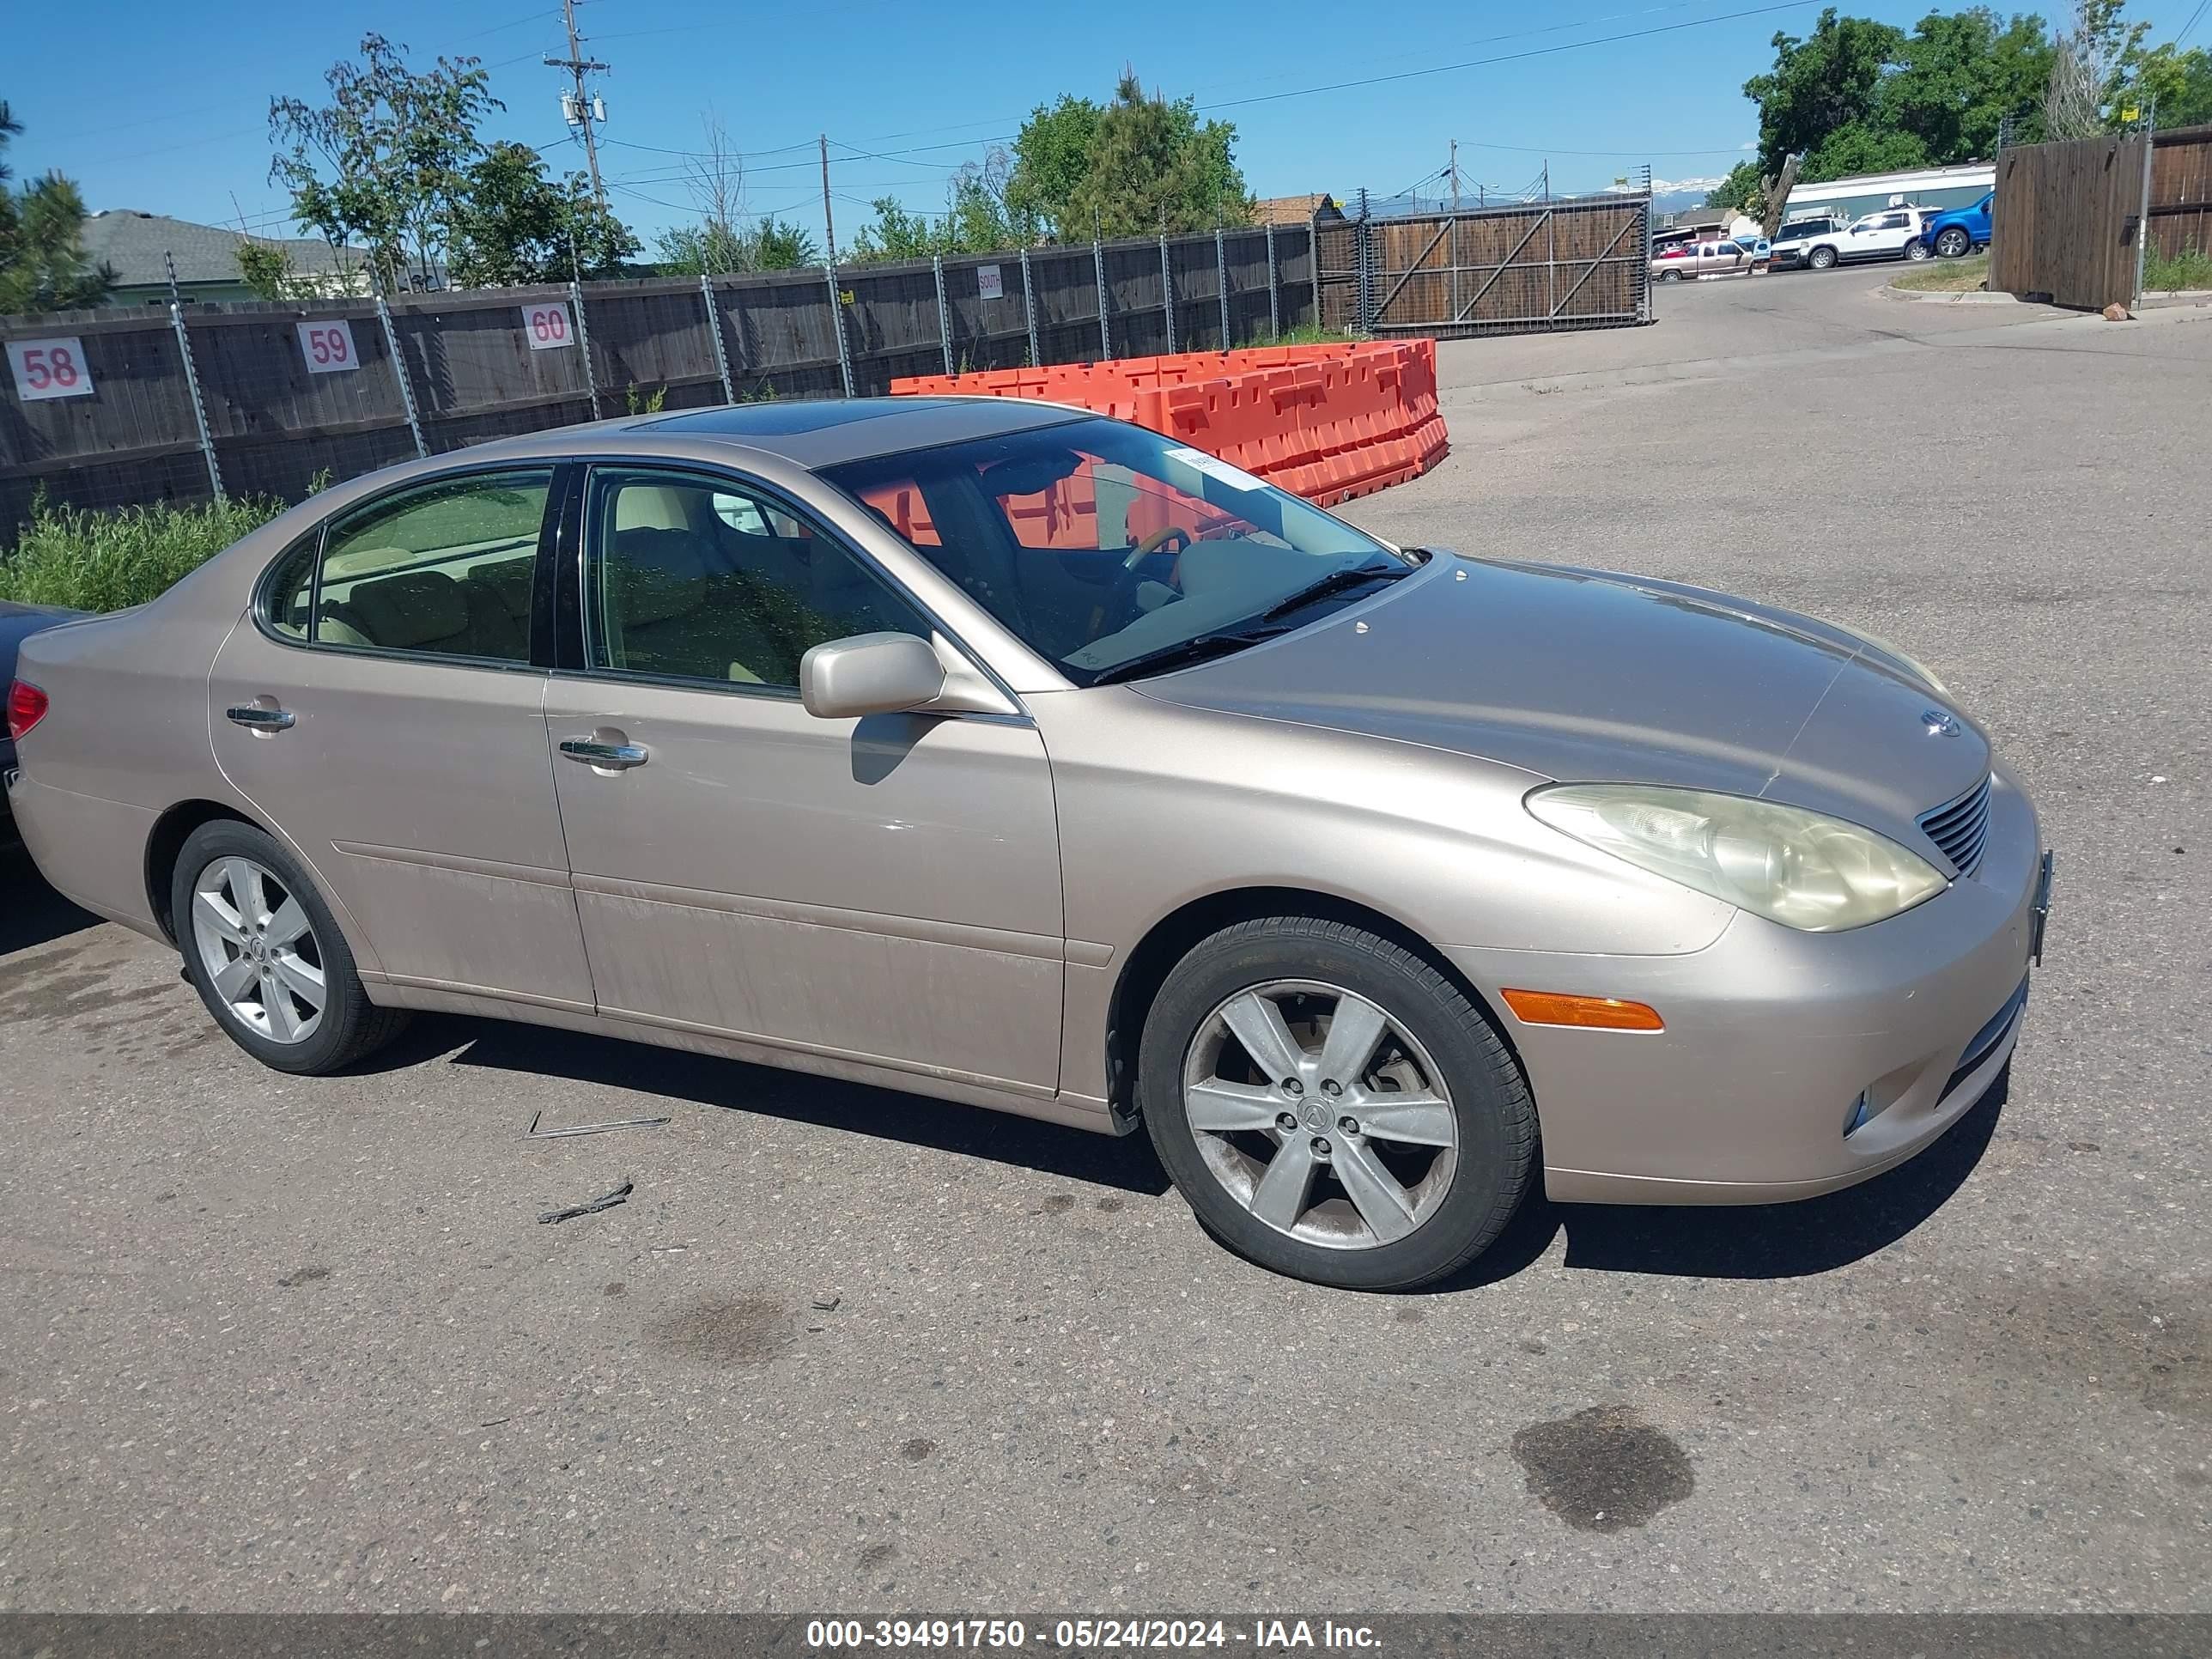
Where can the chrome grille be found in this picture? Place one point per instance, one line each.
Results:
(1959, 827)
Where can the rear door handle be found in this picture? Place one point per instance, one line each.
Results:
(615, 755)
(259, 719)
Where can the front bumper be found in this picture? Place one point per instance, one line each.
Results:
(1772, 1035)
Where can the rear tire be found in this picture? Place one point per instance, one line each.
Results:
(1380, 1204)
(1822, 259)
(261, 946)
(1917, 249)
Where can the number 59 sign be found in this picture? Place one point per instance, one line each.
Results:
(328, 347)
(49, 368)
(546, 326)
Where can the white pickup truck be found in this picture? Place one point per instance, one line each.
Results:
(1892, 234)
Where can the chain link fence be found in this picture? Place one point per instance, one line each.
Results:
(106, 409)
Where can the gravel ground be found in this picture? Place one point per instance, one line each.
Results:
(273, 1345)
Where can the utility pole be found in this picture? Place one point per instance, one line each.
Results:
(580, 109)
(828, 225)
(1454, 176)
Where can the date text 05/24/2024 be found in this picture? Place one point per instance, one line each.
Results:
(1261, 1635)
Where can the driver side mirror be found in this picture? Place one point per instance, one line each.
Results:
(869, 674)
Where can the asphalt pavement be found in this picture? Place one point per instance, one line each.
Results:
(272, 1344)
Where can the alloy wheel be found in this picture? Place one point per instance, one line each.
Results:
(258, 949)
(1321, 1114)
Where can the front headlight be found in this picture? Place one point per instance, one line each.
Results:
(1805, 871)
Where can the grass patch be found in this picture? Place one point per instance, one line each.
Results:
(1304, 334)
(2191, 268)
(1945, 275)
(108, 560)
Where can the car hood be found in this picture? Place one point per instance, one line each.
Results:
(1588, 676)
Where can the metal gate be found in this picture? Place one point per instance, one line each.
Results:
(1530, 268)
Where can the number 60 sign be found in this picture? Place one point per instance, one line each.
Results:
(546, 326)
(50, 368)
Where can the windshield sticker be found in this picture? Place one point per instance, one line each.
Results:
(1214, 467)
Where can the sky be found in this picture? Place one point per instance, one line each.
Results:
(164, 108)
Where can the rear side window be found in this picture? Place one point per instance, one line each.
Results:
(701, 580)
(288, 599)
(444, 569)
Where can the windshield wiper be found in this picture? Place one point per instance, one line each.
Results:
(1335, 582)
(1183, 653)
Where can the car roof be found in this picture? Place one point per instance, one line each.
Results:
(825, 432)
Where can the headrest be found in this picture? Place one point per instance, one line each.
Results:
(400, 612)
(652, 506)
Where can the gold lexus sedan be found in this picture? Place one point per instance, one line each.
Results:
(997, 751)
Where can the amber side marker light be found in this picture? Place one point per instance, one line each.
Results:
(1597, 1013)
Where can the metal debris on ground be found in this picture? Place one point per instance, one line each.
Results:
(828, 1304)
(533, 1133)
(604, 1201)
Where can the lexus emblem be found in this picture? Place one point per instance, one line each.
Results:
(1939, 724)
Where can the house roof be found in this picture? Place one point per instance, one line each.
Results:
(133, 243)
(1294, 209)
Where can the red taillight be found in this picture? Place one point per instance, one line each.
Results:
(26, 706)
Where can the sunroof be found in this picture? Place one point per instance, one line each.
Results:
(782, 418)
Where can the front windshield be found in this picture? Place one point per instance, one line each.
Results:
(1100, 544)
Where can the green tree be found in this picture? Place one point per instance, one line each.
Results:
(714, 250)
(509, 224)
(2174, 86)
(266, 269)
(779, 246)
(1052, 157)
(897, 234)
(1960, 75)
(1151, 168)
(1741, 191)
(386, 162)
(1829, 81)
(42, 262)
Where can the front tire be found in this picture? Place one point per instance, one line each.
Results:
(1823, 258)
(1333, 1107)
(261, 948)
(1954, 243)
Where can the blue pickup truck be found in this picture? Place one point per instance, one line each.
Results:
(1959, 232)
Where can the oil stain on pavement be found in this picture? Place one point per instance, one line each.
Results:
(1603, 1468)
(749, 1331)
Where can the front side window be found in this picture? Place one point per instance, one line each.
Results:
(443, 570)
(698, 579)
(1104, 547)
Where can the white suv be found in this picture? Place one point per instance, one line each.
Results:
(1791, 241)
(1892, 234)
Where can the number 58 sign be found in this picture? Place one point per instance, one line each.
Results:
(49, 368)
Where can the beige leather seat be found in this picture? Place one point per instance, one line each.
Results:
(424, 611)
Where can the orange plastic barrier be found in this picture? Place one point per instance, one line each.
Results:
(1324, 421)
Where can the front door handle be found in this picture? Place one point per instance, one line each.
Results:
(259, 719)
(614, 757)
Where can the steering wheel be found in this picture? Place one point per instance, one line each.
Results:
(1153, 543)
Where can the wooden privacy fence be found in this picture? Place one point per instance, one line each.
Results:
(111, 408)
(1523, 269)
(2071, 220)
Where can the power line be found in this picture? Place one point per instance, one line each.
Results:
(2194, 17)
(1510, 58)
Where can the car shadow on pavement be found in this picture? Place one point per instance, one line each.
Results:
(31, 913)
(1123, 1161)
(1786, 1241)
